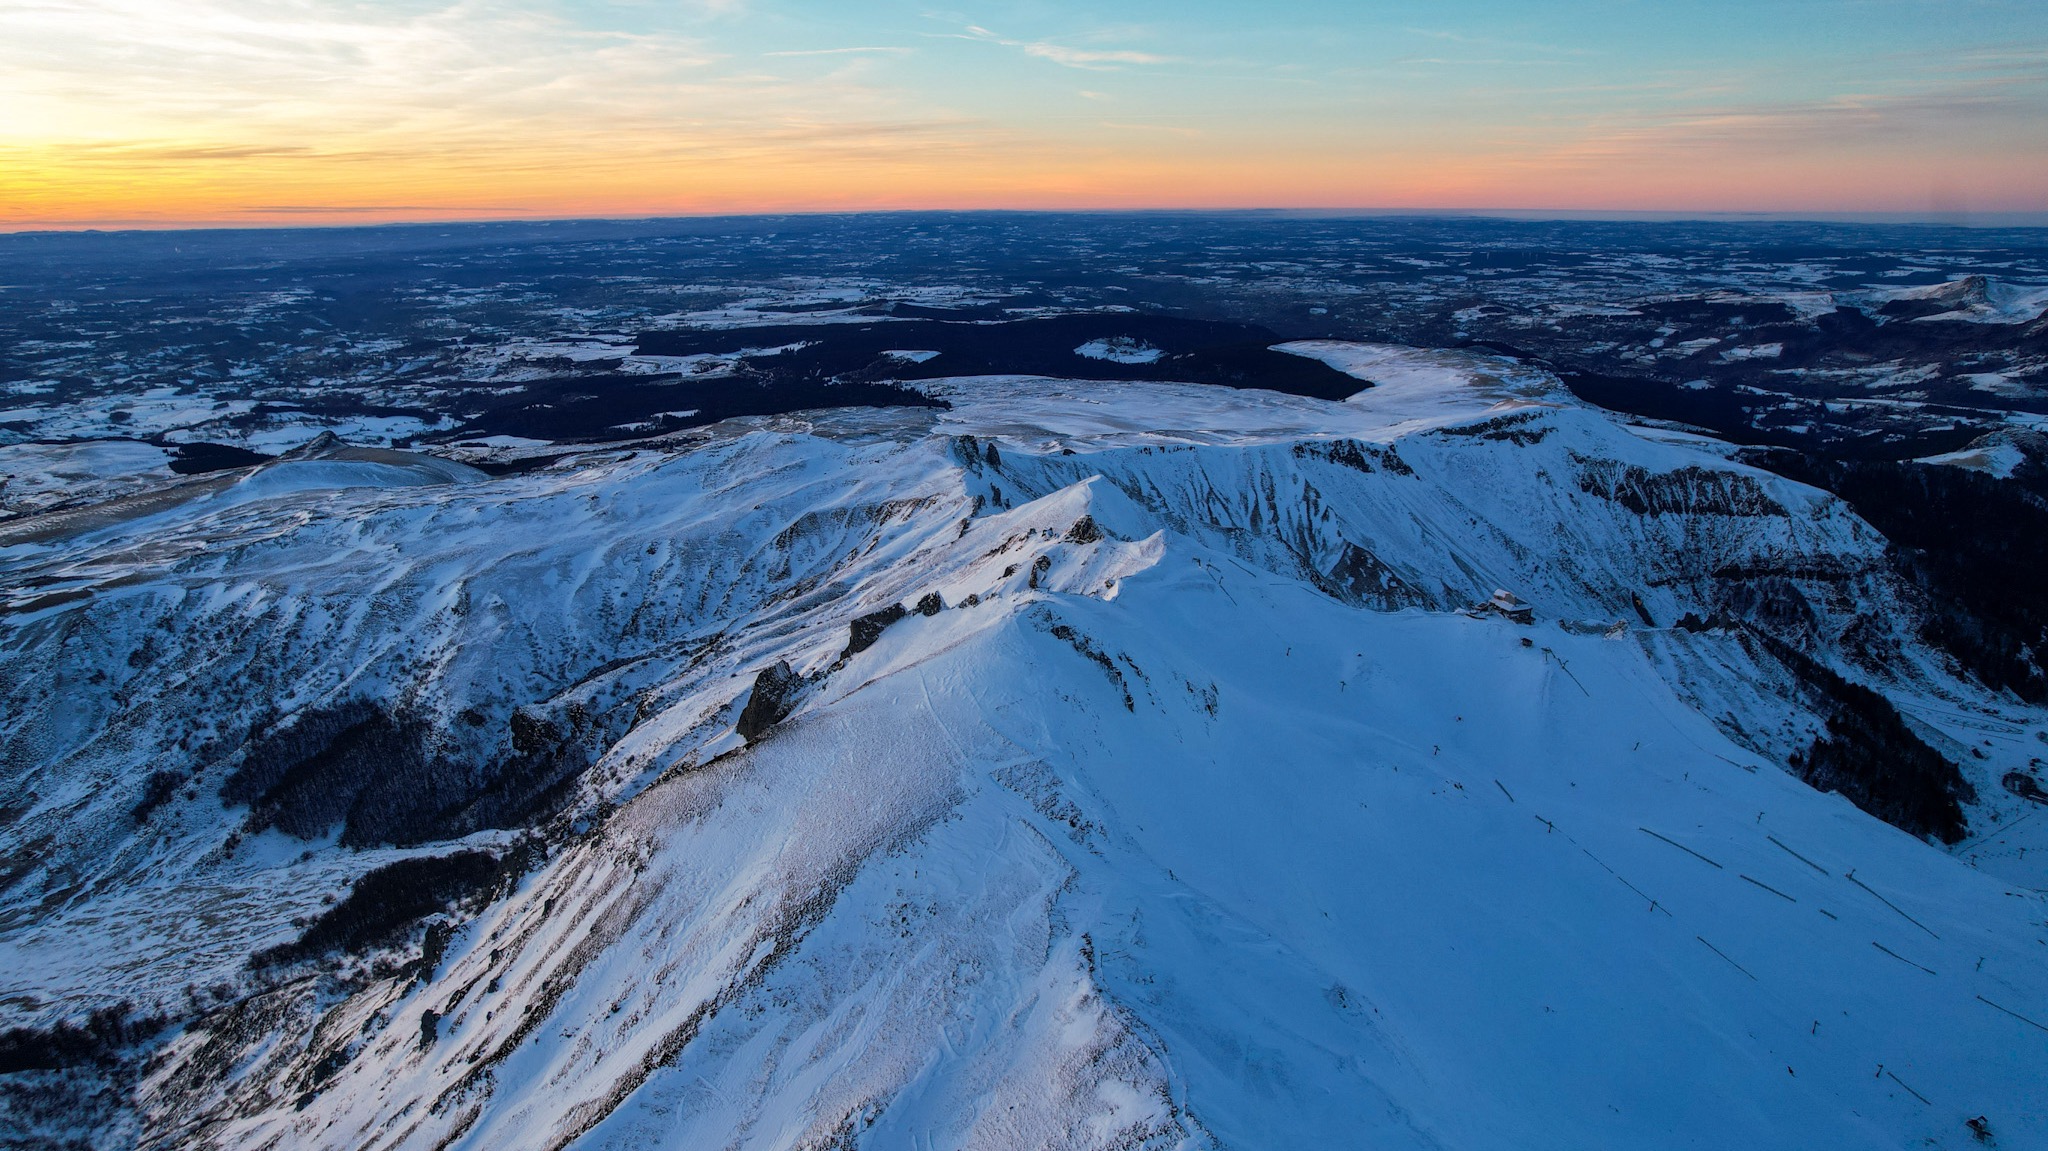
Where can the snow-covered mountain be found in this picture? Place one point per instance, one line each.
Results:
(1079, 765)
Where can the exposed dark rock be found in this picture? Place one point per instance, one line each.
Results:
(1084, 531)
(434, 949)
(1522, 429)
(773, 698)
(930, 604)
(869, 628)
(971, 453)
(1642, 609)
(1360, 457)
(965, 450)
(1086, 647)
(1688, 491)
(1358, 576)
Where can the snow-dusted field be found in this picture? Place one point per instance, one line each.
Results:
(1183, 808)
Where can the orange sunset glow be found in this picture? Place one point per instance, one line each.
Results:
(119, 113)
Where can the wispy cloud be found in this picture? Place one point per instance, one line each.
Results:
(1089, 57)
(125, 68)
(1066, 55)
(866, 51)
(205, 80)
(160, 105)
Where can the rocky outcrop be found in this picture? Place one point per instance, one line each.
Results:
(868, 628)
(775, 694)
(1689, 491)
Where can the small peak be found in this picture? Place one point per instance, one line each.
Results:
(324, 444)
(1965, 292)
(1084, 531)
(1969, 289)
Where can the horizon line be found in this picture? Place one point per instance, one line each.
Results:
(1932, 219)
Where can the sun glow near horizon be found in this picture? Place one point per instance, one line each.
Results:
(125, 112)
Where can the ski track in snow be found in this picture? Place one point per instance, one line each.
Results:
(1213, 826)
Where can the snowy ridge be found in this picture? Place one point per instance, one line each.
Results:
(1180, 808)
(1977, 300)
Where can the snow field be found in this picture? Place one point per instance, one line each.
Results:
(1195, 818)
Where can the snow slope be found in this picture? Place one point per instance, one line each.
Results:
(1182, 809)
(37, 477)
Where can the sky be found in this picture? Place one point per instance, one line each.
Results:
(119, 113)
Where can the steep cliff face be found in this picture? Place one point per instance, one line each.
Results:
(1087, 765)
